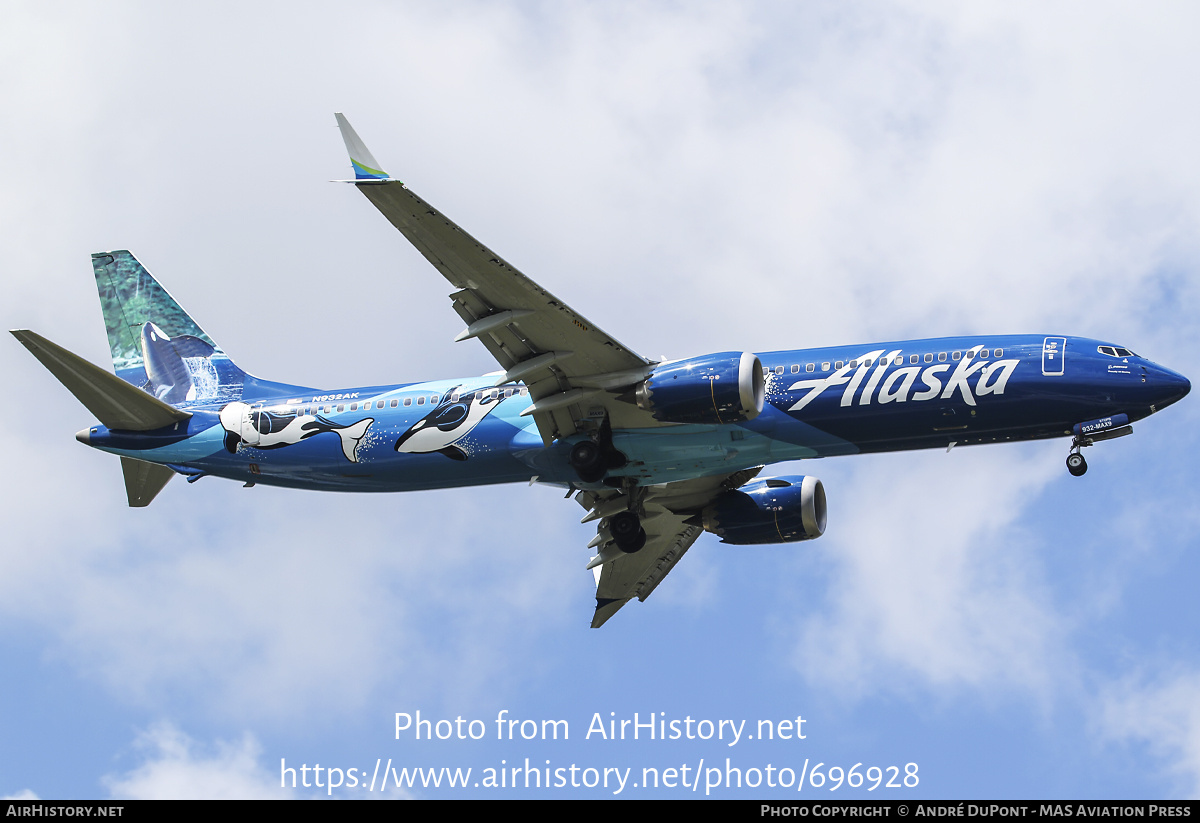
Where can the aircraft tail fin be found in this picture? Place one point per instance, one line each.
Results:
(143, 481)
(366, 167)
(155, 344)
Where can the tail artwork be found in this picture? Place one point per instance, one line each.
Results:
(155, 345)
(161, 357)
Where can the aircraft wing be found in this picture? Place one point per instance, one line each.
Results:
(671, 517)
(569, 365)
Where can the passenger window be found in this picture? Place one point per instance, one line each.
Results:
(839, 364)
(341, 407)
(421, 400)
(454, 397)
(999, 352)
(810, 367)
(433, 400)
(353, 407)
(508, 392)
(824, 367)
(408, 401)
(956, 355)
(394, 403)
(379, 404)
(795, 369)
(941, 357)
(524, 391)
(854, 364)
(929, 358)
(779, 369)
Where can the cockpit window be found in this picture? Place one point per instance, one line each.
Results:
(1115, 351)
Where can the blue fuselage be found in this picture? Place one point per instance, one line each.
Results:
(819, 402)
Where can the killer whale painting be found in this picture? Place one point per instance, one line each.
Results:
(154, 343)
(274, 429)
(454, 418)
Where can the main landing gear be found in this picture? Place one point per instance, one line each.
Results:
(591, 459)
(588, 461)
(628, 534)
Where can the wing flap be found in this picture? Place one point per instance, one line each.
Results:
(638, 574)
(669, 516)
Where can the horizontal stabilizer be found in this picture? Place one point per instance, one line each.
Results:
(143, 481)
(115, 403)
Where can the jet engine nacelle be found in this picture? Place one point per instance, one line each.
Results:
(726, 387)
(769, 510)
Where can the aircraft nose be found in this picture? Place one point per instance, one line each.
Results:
(1170, 386)
(84, 436)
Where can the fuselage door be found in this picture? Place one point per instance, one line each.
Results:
(1054, 350)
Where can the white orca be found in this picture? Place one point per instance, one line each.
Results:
(262, 429)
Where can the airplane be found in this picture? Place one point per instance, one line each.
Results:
(656, 452)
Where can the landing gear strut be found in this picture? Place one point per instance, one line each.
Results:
(1108, 428)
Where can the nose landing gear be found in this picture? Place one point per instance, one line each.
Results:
(1106, 428)
(1076, 465)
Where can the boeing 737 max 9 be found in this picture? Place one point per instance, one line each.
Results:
(655, 452)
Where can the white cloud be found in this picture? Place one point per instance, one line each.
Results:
(1163, 714)
(927, 587)
(175, 767)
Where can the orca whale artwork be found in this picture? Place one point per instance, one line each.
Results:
(656, 453)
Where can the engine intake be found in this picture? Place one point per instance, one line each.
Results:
(726, 387)
(769, 510)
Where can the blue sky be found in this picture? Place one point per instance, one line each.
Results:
(693, 178)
